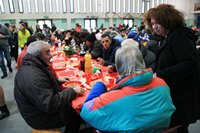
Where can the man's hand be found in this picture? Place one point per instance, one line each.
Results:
(2, 36)
(63, 79)
(79, 91)
(110, 69)
(101, 61)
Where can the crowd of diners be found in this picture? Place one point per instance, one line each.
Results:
(158, 69)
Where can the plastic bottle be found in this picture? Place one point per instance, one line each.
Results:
(88, 67)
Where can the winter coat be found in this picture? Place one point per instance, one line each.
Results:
(149, 57)
(136, 104)
(38, 96)
(109, 54)
(177, 64)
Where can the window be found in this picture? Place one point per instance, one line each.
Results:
(157, 2)
(129, 6)
(36, 6)
(21, 10)
(29, 6)
(96, 6)
(64, 6)
(124, 2)
(148, 5)
(129, 22)
(166, 1)
(114, 5)
(107, 6)
(143, 6)
(48, 22)
(101, 5)
(50, 6)
(2, 6)
(84, 6)
(90, 24)
(71, 6)
(134, 6)
(57, 6)
(43, 6)
(78, 5)
(11, 6)
(153, 4)
(138, 6)
(119, 6)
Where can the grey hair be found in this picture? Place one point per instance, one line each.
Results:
(35, 48)
(128, 59)
(130, 41)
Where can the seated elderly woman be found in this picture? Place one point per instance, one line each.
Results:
(138, 102)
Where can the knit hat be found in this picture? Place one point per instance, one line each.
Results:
(90, 37)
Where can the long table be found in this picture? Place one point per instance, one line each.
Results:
(64, 66)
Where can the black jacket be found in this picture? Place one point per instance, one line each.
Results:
(149, 57)
(177, 63)
(37, 94)
(109, 54)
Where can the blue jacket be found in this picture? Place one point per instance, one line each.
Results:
(138, 103)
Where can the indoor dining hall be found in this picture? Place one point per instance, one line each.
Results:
(99, 66)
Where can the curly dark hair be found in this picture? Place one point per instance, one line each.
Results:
(166, 15)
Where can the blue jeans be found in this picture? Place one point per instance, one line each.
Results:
(4, 51)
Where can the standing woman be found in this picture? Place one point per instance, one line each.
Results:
(23, 35)
(13, 42)
(176, 61)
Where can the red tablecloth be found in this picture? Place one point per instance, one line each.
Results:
(62, 66)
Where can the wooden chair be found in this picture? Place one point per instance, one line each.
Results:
(46, 131)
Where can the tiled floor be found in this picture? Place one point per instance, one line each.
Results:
(15, 123)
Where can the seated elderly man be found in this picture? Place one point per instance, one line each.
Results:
(138, 102)
(110, 46)
(38, 96)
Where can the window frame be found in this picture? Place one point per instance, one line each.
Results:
(22, 8)
(12, 6)
(90, 19)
